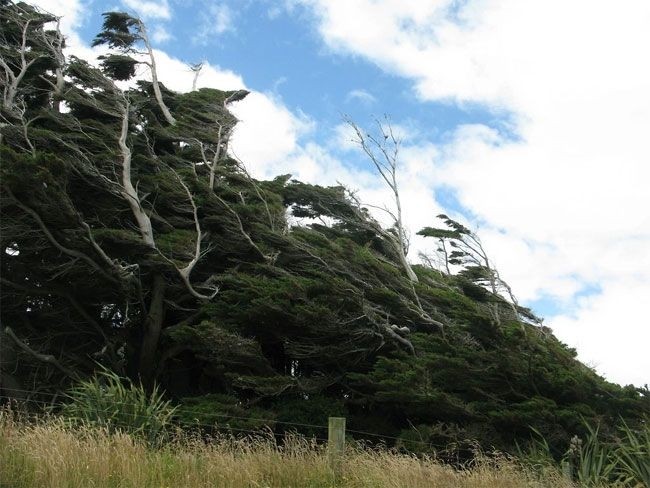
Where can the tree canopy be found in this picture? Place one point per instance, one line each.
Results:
(132, 240)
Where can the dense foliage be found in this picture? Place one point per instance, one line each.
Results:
(131, 240)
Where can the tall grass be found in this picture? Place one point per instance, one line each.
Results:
(113, 433)
(51, 453)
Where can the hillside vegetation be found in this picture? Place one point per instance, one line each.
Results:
(133, 242)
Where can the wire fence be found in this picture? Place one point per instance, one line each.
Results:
(265, 429)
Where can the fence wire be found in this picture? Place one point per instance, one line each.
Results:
(224, 426)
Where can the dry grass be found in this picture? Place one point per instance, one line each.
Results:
(49, 454)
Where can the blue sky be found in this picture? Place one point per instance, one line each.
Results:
(278, 50)
(519, 117)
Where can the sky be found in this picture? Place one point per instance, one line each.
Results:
(529, 121)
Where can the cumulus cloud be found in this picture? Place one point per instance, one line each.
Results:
(71, 12)
(606, 323)
(563, 199)
(178, 76)
(149, 9)
(267, 134)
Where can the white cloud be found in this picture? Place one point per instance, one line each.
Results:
(178, 76)
(267, 137)
(217, 20)
(71, 12)
(343, 138)
(565, 203)
(149, 9)
(160, 34)
(601, 329)
(267, 134)
(363, 96)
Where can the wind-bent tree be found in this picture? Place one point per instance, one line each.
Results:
(128, 35)
(383, 151)
(150, 219)
(109, 155)
(459, 246)
(196, 69)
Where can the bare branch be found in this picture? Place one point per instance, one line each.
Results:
(402, 340)
(240, 225)
(12, 80)
(186, 271)
(256, 187)
(386, 165)
(65, 250)
(196, 69)
(129, 192)
(154, 75)
(46, 358)
(217, 155)
(125, 272)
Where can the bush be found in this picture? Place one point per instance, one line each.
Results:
(633, 454)
(596, 460)
(117, 404)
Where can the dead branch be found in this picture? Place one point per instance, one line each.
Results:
(46, 358)
(240, 226)
(374, 316)
(154, 74)
(128, 191)
(196, 69)
(386, 163)
(55, 47)
(251, 180)
(12, 80)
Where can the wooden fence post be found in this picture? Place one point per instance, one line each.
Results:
(336, 445)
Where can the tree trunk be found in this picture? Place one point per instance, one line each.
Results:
(154, 77)
(152, 328)
(129, 192)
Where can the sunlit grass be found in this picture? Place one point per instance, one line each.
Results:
(51, 454)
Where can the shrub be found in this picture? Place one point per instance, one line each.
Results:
(633, 454)
(597, 460)
(117, 404)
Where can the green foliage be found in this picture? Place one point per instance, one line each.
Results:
(221, 413)
(595, 459)
(117, 404)
(305, 413)
(118, 66)
(537, 452)
(119, 30)
(632, 454)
